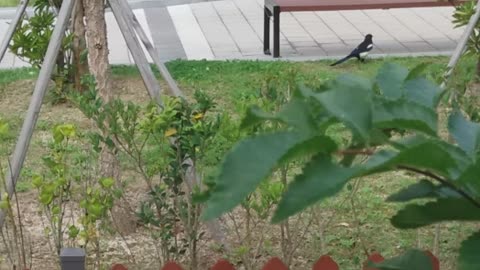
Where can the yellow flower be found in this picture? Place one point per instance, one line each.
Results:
(170, 132)
(198, 116)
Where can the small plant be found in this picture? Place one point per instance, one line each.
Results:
(31, 39)
(74, 201)
(166, 147)
(13, 237)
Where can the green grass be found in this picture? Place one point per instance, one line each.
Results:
(232, 84)
(13, 3)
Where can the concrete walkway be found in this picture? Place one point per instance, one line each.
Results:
(233, 29)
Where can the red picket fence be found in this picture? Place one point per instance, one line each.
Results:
(325, 262)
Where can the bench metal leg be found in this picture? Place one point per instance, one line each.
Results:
(266, 30)
(276, 31)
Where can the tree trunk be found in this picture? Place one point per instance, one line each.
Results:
(80, 66)
(97, 46)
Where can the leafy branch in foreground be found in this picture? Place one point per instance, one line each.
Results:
(392, 123)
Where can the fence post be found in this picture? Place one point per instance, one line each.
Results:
(72, 259)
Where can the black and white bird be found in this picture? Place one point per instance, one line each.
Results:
(360, 52)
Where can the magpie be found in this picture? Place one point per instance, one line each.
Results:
(360, 52)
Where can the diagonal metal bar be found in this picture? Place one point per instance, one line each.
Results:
(462, 43)
(13, 25)
(139, 57)
(33, 111)
(150, 48)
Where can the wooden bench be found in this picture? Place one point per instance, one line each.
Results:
(273, 8)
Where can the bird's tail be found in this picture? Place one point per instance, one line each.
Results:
(342, 60)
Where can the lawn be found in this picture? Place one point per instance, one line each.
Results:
(9, 3)
(346, 226)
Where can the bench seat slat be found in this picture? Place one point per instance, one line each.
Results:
(324, 5)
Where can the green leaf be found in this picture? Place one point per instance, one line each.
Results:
(296, 113)
(465, 133)
(402, 114)
(420, 190)
(350, 102)
(390, 79)
(37, 181)
(423, 92)
(470, 180)
(254, 116)
(411, 260)
(309, 147)
(417, 71)
(415, 216)
(320, 179)
(107, 182)
(73, 231)
(3, 128)
(250, 162)
(468, 258)
(418, 156)
(423, 190)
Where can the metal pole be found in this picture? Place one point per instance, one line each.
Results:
(150, 48)
(139, 57)
(37, 98)
(13, 25)
(461, 46)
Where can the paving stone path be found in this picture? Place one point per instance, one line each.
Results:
(233, 29)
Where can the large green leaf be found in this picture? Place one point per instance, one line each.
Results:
(422, 190)
(250, 162)
(465, 133)
(320, 179)
(429, 155)
(390, 79)
(295, 113)
(468, 258)
(423, 92)
(417, 71)
(254, 116)
(415, 216)
(350, 101)
(406, 115)
(470, 180)
(413, 259)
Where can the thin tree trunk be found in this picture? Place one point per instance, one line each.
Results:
(79, 46)
(97, 46)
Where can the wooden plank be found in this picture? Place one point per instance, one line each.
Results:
(139, 57)
(150, 48)
(33, 111)
(315, 5)
(13, 25)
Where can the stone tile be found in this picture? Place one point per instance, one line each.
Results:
(416, 24)
(417, 47)
(118, 50)
(190, 33)
(389, 46)
(311, 51)
(443, 44)
(336, 49)
(164, 34)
